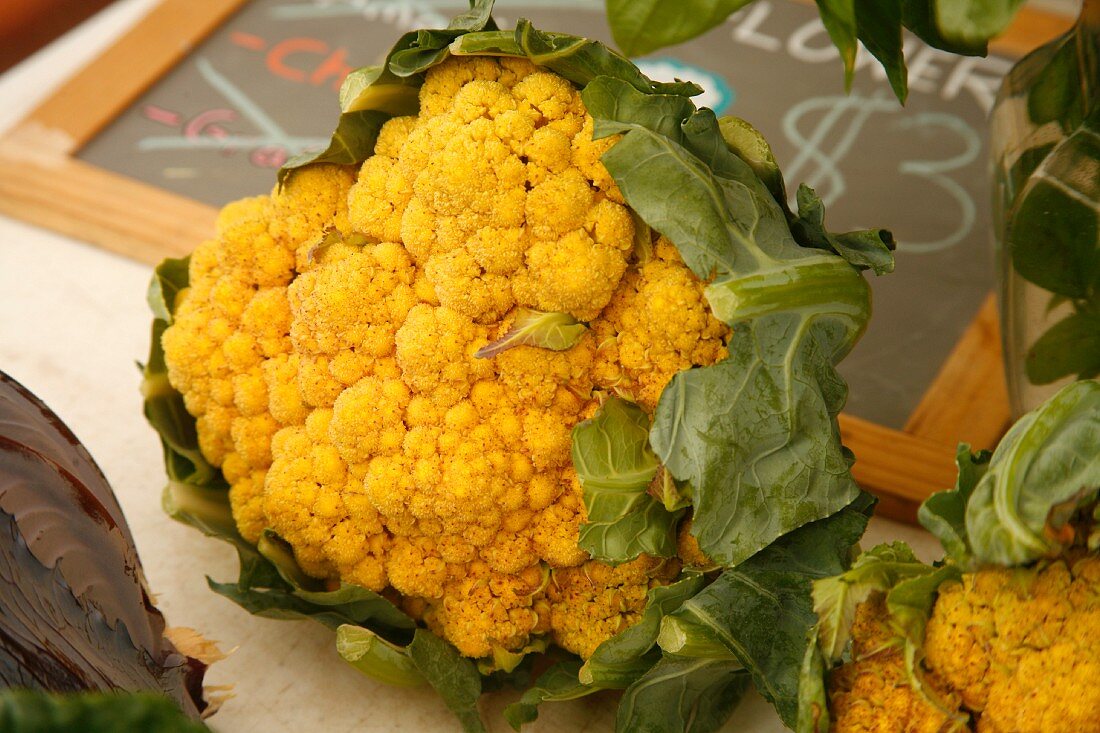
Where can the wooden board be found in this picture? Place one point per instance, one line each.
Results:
(44, 180)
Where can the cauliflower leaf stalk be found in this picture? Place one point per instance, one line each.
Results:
(356, 351)
(1002, 628)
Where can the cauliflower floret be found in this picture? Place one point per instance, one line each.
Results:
(591, 603)
(326, 346)
(1015, 649)
(871, 694)
(1022, 646)
(657, 324)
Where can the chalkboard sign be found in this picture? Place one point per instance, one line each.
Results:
(203, 123)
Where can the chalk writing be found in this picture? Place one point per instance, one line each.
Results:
(930, 71)
(268, 149)
(934, 171)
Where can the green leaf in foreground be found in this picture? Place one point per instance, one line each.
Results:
(375, 657)
(682, 694)
(34, 711)
(957, 26)
(615, 467)
(642, 26)
(453, 676)
(557, 683)
(554, 331)
(281, 604)
(762, 610)
(1046, 466)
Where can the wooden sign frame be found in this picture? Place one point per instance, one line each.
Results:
(43, 182)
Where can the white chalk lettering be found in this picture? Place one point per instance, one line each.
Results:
(980, 77)
(799, 44)
(747, 31)
(923, 73)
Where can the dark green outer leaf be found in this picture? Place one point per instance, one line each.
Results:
(684, 695)
(33, 711)
(364, 607)
(197, 494)
(352, 142)
(763, 610)
(453, 676)
(163, 405)
(956, 26)
(642, 26)
(276, 603)
(774, 411)
(869, 248)
(555, 684)
(770, 408)
(1047, 464)
(944, 513)
(1070, 347)
(206, 509)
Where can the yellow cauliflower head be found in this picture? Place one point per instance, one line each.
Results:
(327, 348)
(1011, 650)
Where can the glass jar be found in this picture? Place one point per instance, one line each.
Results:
(1045, 145)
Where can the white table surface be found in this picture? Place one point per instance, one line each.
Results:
(73, 322)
